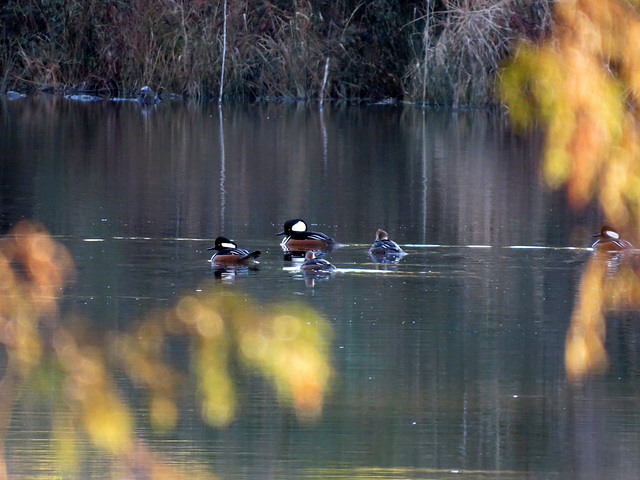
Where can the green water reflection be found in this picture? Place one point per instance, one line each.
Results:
(447, 364)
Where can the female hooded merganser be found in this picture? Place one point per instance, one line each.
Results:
(609, 241)
(298, 238)
(316, 266)
(228, 253)
(383, 246)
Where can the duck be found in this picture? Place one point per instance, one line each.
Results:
(228, 253)
(299, 238)
(147, 96)
(608, 240)
(383, 246)
(316, 266)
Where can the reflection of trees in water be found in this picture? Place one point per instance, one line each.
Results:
(71, 363)
(477, 182)
(431, 176)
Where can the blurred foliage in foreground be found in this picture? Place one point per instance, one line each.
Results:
(583, 85)
(71, 364)
(609, 282)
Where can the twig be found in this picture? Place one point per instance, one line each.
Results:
(324, 79)
(224, 50)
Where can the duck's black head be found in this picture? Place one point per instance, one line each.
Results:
(221, 243)
(295, 225)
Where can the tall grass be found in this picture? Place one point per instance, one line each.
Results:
(429, 51)
(459, 47)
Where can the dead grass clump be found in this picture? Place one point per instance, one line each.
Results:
(442, 52)
(459, 48)
(277, 53)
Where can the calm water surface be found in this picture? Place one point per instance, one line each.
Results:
(448, 364)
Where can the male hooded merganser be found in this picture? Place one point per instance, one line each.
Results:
(298, 238)
(228, 253)
(609, 241)
(316, 266)
(383, 246)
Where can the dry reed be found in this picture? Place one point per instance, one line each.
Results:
(427, 51)
(460, 47)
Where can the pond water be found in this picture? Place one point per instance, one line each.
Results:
(448, 363)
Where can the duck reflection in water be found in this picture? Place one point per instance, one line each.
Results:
(228, 274)
(384, 250)
(298, 240)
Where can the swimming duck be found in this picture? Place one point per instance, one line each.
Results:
(228, 253)
(608, 240)
(298, 238)
(316, 266)
(147, 96)
(384, 246)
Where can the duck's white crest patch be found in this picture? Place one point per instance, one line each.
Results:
(299, 226)
(612, 234)
(228, 245)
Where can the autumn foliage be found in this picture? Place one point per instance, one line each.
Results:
(287, 345)
(582, 85)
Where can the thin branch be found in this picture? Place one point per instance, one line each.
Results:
(224, 51)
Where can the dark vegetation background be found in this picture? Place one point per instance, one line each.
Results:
(433, 52)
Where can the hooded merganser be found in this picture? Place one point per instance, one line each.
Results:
(298, 238)
(383, 246)
(316, 266)
(147, 96)
(609, 241)
(228, 253)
